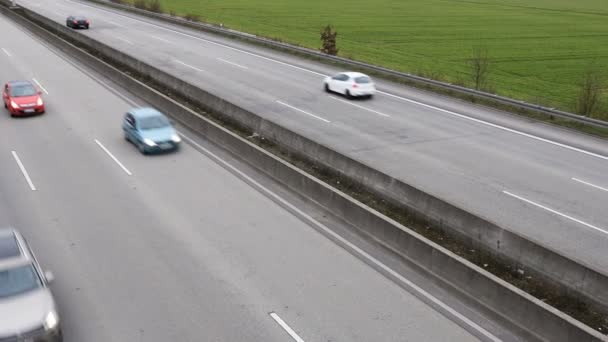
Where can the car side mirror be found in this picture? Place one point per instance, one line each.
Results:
(48, 275)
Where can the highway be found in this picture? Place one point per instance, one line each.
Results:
(173, 247)
(545, 183)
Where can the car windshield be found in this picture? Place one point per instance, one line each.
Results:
(363, 79)
(23, 90)
(18, 280)
(153, 122)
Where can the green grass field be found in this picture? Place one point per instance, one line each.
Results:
(539, 49)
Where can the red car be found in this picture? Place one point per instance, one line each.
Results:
(22, 98)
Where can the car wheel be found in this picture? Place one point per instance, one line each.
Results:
(327, 90)
(127, 137)
(141, 148)
(348, 94)
(5, 106)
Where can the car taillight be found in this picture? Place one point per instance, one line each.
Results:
(355, 85)
(39, 102)
(88, 22)
(75, 22)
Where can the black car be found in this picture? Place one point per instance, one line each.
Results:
(77, 22)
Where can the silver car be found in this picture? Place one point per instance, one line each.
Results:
(27, 307)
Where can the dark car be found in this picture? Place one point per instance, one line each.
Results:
(77, 22)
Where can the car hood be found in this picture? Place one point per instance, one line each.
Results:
(25, 312)
(25, 99)
(158, 134)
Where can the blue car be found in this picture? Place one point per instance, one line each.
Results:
(150, 130)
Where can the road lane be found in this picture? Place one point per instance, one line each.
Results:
(465, 154)
(182, 250)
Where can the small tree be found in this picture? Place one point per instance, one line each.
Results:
(479, 64)
(590, 92)
(328, 41)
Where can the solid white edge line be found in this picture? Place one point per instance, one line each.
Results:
(124, 40)
(589, 184)
(555, 212)
(6, 52)
(286, 327)
(24, 171)
(199, 38)
(86, 72)
(40, 85)
(358, 106)
(278, 199)
(572, 148)
(232, 63)
(302, 111)
(113, 158)
(188, 65)
(555, 143)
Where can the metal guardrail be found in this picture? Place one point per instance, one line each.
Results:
(261, 40)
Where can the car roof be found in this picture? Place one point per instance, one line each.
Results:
(145, 112)
(18, 83)
(354, 74)
(12, 249)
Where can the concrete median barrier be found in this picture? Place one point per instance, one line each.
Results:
(514, 305)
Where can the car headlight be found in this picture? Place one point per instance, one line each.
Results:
(39, 102)
(51, 321)
(14, 104)
(176, 138)
(149, 142)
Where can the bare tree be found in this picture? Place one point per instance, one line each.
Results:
(328, 41)
(590, 91)
(479, 64)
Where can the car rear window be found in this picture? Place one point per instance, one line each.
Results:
(80, 18)
(18, 280)
(363, 80)
(153, 122)
(22, 90)
(9, 247)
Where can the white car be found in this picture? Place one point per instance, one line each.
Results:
(350, 84)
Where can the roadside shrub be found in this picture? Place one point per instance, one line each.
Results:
(155, 6)
(192, 17)
(172, 13)
(120, 2)
(328, 41)
(141, 4)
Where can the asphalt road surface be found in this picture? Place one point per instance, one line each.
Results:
(543, 182)
(173, 247)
